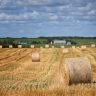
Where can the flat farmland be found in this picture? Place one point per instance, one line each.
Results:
(19, 76)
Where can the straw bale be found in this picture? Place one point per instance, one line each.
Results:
(0, 46)
(47, 46)
(52, 46)
(10, 46)
(93, 45)
(83, 48)
(32, 46)
(62, 46)
(65, 51)
(19, 46)
(76, 70)
(35, 57)
(41, 47)
(73, 47)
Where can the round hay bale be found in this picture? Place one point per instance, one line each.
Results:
(76, 70)
(83, 48)
(46, 46)
(10, 46)
(52, 46)
(65, 51)
(41, 47)
(35, 57)
(73, 47)
(32, 46)
(0, 46)
(19, 46)
(62, 46)
(93, 45)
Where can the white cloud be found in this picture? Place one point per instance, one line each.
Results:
(3, 3)
(92, 12)
(42, 2)
(54, 17)
(86, 8)
(21, 16)
(21, 31)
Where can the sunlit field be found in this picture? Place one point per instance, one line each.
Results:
(19, 76)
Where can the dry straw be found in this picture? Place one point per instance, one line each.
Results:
(65, 51)
(10, 46)
(35, 57)
(93, 45)
(32, 46)
(0, 46)
(62, 46)
(19, 46)
(76, 70)
(46, 46)
(83, 48)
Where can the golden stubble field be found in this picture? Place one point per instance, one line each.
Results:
(19, 76)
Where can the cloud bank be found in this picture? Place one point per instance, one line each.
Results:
(34, 18)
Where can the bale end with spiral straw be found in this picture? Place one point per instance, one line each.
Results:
(76, 70)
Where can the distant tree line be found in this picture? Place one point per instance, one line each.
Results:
(8, 42)
(39, 42)
(66, 37)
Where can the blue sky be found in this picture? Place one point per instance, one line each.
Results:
(34, 18)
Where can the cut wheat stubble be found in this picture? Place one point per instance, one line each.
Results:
(76, 70)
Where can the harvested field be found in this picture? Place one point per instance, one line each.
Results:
(20, 76)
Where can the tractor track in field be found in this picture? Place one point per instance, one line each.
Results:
(12, 58)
